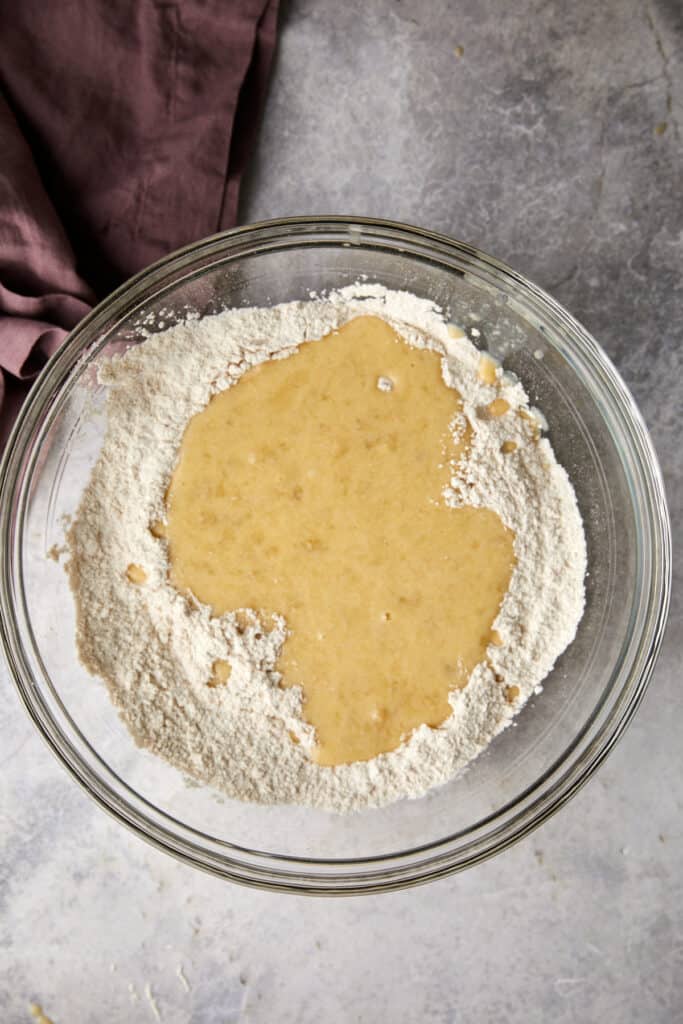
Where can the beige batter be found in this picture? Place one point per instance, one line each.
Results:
(313, 490)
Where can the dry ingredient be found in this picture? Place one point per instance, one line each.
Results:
(156, 648)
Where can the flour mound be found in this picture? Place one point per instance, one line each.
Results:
(155, 647)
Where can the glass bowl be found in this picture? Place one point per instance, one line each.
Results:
(560, 737)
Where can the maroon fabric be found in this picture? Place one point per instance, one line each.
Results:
(125, 128)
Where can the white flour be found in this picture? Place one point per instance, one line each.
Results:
(155, 647)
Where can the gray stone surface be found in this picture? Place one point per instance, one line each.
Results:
(538, 144)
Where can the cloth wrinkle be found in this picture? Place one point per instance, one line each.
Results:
(133, 147)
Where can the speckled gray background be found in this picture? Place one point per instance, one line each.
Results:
(539, 144)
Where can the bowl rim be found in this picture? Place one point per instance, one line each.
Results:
(349, 876)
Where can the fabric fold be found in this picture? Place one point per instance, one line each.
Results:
(124, 133)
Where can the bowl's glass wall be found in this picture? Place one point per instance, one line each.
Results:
(553, 734)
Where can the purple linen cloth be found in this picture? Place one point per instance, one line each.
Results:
(124, 131)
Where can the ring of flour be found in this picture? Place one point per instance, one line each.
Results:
(155, 647)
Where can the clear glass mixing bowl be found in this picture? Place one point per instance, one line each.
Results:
(560, 737)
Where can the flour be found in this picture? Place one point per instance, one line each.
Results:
(155, 647)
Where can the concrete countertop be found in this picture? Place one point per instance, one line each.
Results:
(553, 140)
